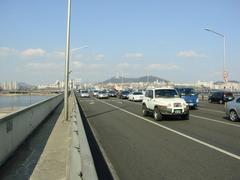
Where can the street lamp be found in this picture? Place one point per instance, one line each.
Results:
(66, 76)
(225, 75)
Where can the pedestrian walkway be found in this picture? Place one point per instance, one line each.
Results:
(53, 163)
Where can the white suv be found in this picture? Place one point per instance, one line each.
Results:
(163, 102)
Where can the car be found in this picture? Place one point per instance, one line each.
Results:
(220, 97)
(164, 102)
(135, 96)
(123, 94)
(84, 93)
(102, 95)
(190, 96)
(233, 109)
(94, 92)
(112, 93)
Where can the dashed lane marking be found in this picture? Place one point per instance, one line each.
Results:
(205, 109)
(177, 132)
(207, 119)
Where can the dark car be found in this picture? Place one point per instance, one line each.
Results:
(123, 94)
(190, 96)
(221, 97)
(112, 93)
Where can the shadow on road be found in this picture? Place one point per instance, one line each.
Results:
(101, 166)
(21, 165)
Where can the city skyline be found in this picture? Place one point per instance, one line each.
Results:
(161, 38)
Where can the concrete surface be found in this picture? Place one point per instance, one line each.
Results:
(17, 126)
(53, 163)
(140, 148)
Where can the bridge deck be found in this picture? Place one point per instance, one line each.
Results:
(44, 155)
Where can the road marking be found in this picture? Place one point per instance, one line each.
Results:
(209, 119)
(205, 109)
(179, 133)
(109, 163)
(213, 120)
(92, 103)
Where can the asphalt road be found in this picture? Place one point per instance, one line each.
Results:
(205, 147)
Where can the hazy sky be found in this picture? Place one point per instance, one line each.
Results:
(127, 37)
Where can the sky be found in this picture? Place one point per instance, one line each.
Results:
(126, 38)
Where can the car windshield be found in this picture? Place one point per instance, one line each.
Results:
(187, 91)
(125, 92)
(84, 92)
(137, 93)
(166, 93)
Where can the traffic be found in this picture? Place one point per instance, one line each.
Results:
(136, 146)
(161, 103)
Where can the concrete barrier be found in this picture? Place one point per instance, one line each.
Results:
(17, 126)
(81, 164)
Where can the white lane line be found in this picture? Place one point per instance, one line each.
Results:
(179, 133)
(205, 109)
(213, 120)
(209, 119)
(92, 103)
(109, 164)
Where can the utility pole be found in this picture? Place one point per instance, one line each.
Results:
(67, 63)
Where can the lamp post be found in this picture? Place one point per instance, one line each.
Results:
(66, 76)
(225, 75)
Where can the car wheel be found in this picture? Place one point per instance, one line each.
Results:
(144, 110)
(221, 101)
(157, 115)
(233, 115)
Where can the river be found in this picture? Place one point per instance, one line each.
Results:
(12, 103)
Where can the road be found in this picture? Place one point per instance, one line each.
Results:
(205, 147)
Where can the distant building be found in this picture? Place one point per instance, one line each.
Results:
(10, 86)
(230, 85)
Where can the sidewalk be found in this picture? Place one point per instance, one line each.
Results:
(53, 163)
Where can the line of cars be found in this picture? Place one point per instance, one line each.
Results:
(232, 103)
(190, 97)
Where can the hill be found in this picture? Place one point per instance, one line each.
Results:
(119, 79)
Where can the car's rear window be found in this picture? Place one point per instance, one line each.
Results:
(228, 94)
(137, 93)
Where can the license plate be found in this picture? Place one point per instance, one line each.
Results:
(178, 111)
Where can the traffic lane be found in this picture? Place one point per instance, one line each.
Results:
(140, 150)
(213, 106)
(224, 136)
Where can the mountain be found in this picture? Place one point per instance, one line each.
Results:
(119, 79)
(24, 86)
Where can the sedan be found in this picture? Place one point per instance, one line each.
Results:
(135, 96)
(102, 95)
(84, 93)
(123, 95)
(233, 109)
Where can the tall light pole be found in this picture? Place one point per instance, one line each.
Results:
(67, 63)
(225, 75)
